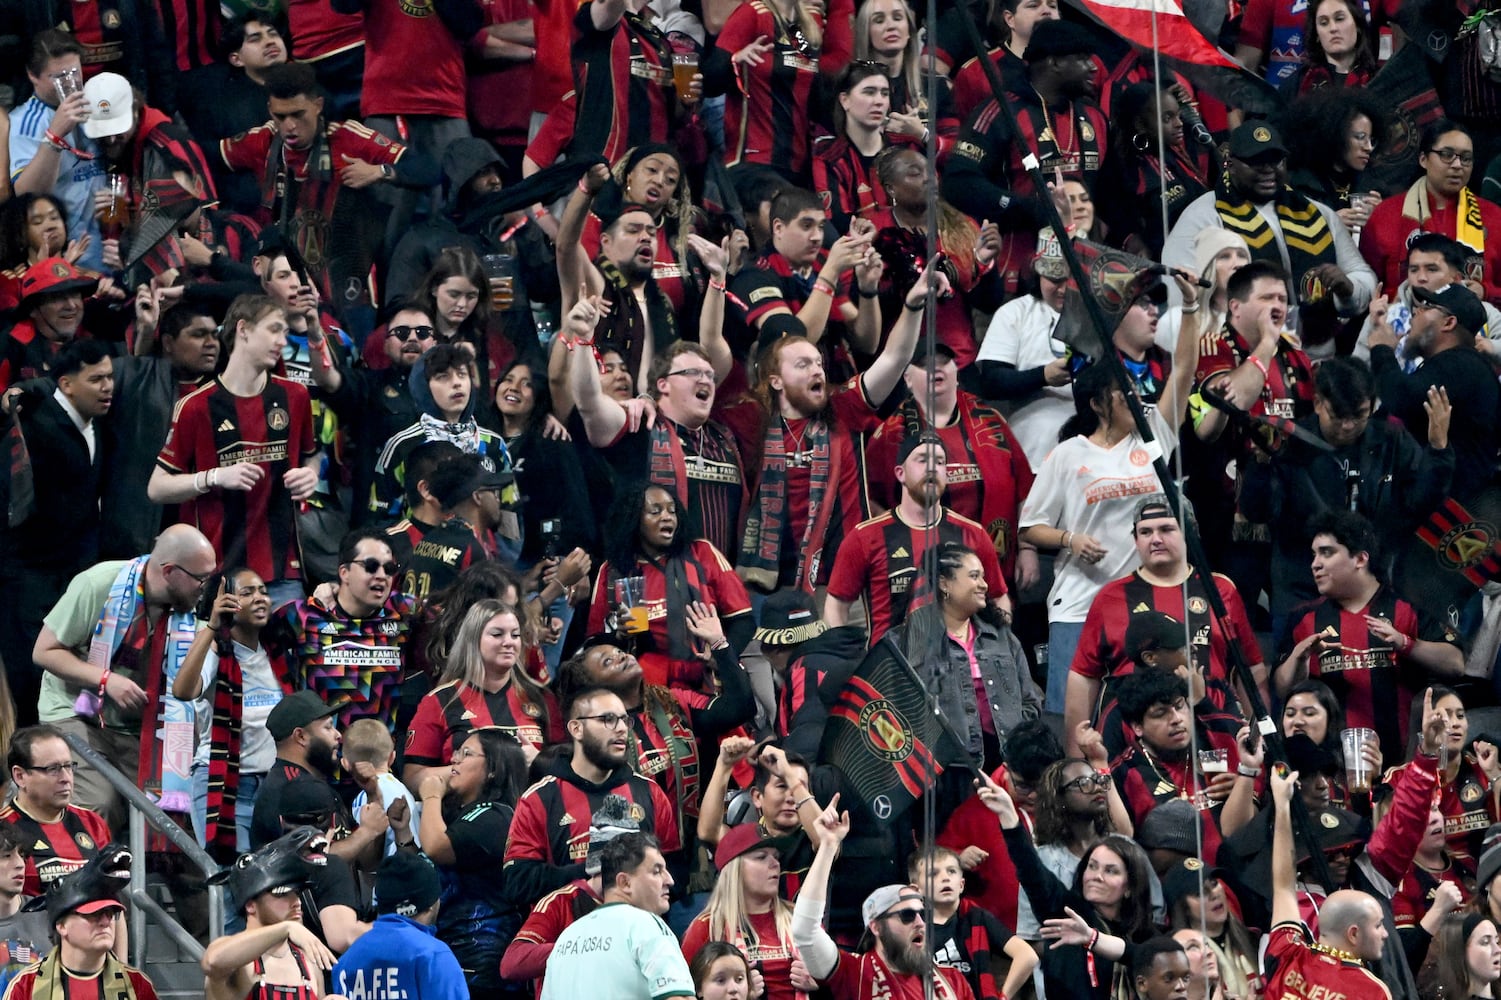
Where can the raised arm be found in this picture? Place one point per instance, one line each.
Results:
(1185, 354)
(575, 271)
(819, 952)
(711, 316)
(1245, 382)
(603, 417)
(885, 373)
(711, 826)
(1284, 872)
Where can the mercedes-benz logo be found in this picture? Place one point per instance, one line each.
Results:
(882, 806)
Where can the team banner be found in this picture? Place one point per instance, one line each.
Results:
(1161, 25)
(883, 734)
(1405, 85)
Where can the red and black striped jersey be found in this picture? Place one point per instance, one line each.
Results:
(193, 27)
(623, 76)
(56, 849)
(215, 429)
(766, 117)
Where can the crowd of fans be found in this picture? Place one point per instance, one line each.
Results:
(460, 453)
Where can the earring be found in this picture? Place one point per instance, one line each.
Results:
(1141, 142)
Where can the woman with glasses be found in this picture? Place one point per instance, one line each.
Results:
(62, 835)
(1439, 202)
(1354, 121)
(654, 568)
(466, 820)
(483, 684)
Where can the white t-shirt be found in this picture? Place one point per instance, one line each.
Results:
(392, 789)
(261, 694)
(1094, 491)
(1020, 335)
(617, 952)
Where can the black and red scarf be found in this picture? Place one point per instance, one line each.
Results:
(760, 559)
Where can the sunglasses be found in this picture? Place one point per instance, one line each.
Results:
(370, 565)
(907, 917)
(403, 332)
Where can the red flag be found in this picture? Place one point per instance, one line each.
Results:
(1161, 25)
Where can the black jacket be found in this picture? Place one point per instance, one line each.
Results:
(61, 537)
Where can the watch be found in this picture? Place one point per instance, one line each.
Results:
(387, 171)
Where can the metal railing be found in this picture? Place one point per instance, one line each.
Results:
(144, 813)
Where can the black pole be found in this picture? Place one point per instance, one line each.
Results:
(1302, 822)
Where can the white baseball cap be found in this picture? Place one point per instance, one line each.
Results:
(111, 106)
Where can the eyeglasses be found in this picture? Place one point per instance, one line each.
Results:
(201, 578)
(907, 917)
(610, 720)
(1362, 139)
(1086, 781)
(370, 565)
(403, 332)
(696, 374)
(1450, 155)
(1420, 304)
(55, 770)
(464, 753)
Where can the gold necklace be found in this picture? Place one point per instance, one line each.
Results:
(1339, 953)
(1049, 130)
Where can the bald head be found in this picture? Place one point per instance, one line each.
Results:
(1351, 920)
(183, 560)
(179, 542)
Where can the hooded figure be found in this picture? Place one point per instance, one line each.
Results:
(511, 244)
(442, 385)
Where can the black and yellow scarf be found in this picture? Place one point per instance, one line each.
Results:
(1305, 233)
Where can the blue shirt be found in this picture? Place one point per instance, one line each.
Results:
(77, 179)
(399, 959)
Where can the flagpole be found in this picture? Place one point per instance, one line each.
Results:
(1108, 357)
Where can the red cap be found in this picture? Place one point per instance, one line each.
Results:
(740, 840)
(51, 276)
(96, 905)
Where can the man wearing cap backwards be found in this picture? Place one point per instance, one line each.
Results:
(1061, 126)
(1303, 237)
(52, 296)
(84, 910)
(622, 950)
(1445, 323)
(1159, 586)
(1361, 638)
(988, 473)
(469, 496)
(1021, 362)
(881, 560)
(810, 492)
(899, 965)
(400, 957)
(275, 957)
(526, 956)
(802, 650)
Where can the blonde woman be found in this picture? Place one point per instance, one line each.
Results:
(747, 910)
(885, 33)
(481, 685)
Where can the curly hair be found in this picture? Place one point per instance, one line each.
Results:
(680, 209)
(622, 528)
(1321, 118)
(957, 232)
(1050, 816)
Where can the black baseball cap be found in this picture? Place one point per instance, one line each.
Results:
(296, 711)
(1257, 141)
(1459, 302)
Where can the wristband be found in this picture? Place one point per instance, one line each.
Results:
(1260, 366)
(1189, 312)
(822, 284)
(921, 305)
(1094, 978)
(1067, 537)
(1248, 772)
(583, 188)
(721, 644)
(802, 802)
(62, 145)
(716, 284)
(103, 682)
(539, 212)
